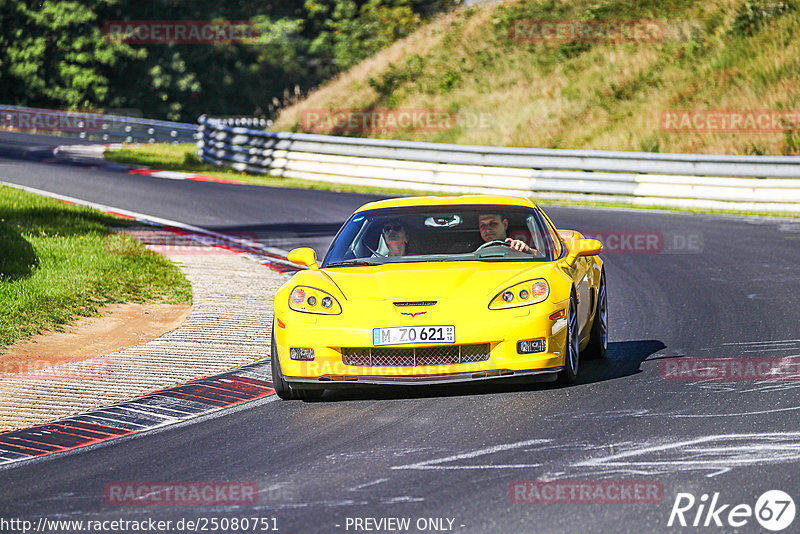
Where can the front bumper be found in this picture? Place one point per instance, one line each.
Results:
(500, 329)
(337, 381)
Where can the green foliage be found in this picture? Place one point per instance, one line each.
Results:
(54, 54)
(752, 14)
(651, 144)
(791, 138)
(351, 32)
(395, 76)
(449, 80)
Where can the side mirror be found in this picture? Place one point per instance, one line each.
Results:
(588, 247)
(583, 247)
(304, 256)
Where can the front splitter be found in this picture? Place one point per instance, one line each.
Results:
(337, 381)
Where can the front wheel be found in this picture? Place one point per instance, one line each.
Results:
(598, 339)
(282, 388)
(571, 354)
(280, 385)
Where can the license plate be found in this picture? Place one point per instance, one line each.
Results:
(403, 335)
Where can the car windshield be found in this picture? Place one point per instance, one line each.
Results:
(440, 233)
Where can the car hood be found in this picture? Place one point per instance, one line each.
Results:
(432, 281)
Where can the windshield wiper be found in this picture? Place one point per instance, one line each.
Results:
(351, 262)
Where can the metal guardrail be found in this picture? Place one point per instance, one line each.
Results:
(245, 122)
(96, 126)
(687, 180)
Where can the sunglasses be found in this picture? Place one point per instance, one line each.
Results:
(392, 227)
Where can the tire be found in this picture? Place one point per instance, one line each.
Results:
(571, 353)
(282, 388)
(280, 385)
(598, 338)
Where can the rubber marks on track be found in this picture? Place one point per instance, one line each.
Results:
(154, 410)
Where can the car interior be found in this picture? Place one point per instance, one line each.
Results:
(440, 234)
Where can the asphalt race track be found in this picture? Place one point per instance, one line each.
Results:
(274, 216)
(710, 287)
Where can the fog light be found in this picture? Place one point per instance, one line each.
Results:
(301, 354)
(327, 302)
(312, 300)
(508, 296)
(531, 346)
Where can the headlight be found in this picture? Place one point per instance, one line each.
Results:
(521, 294)
(308, 299)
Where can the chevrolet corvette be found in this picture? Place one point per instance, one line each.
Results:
(436, 290)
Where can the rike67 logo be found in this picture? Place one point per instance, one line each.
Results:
(774, 510)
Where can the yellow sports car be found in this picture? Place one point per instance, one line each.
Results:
(432, 290)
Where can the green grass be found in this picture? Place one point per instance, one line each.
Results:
(719, 54)
(166, 156)
(59, 261)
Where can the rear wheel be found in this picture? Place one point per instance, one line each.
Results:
(571, 353)
(598, 339)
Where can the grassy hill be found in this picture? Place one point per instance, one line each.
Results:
(714, 55)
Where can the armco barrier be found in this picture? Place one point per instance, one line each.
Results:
(708, 181)
(98, 126)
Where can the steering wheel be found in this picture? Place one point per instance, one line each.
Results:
(375, 253)
(493, 243)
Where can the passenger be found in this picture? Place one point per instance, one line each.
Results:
(494, 226)
(396, 237)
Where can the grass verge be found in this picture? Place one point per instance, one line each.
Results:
(182, 158)
(59, 261)
(499, 84)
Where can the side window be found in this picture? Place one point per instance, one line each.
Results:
(553, 235)
(533, 235)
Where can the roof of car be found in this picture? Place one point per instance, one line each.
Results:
(448, 201)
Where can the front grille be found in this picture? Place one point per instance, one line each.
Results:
(415, 357)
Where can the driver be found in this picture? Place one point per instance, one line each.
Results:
(494, 226)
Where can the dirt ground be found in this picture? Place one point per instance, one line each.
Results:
(120, 326)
